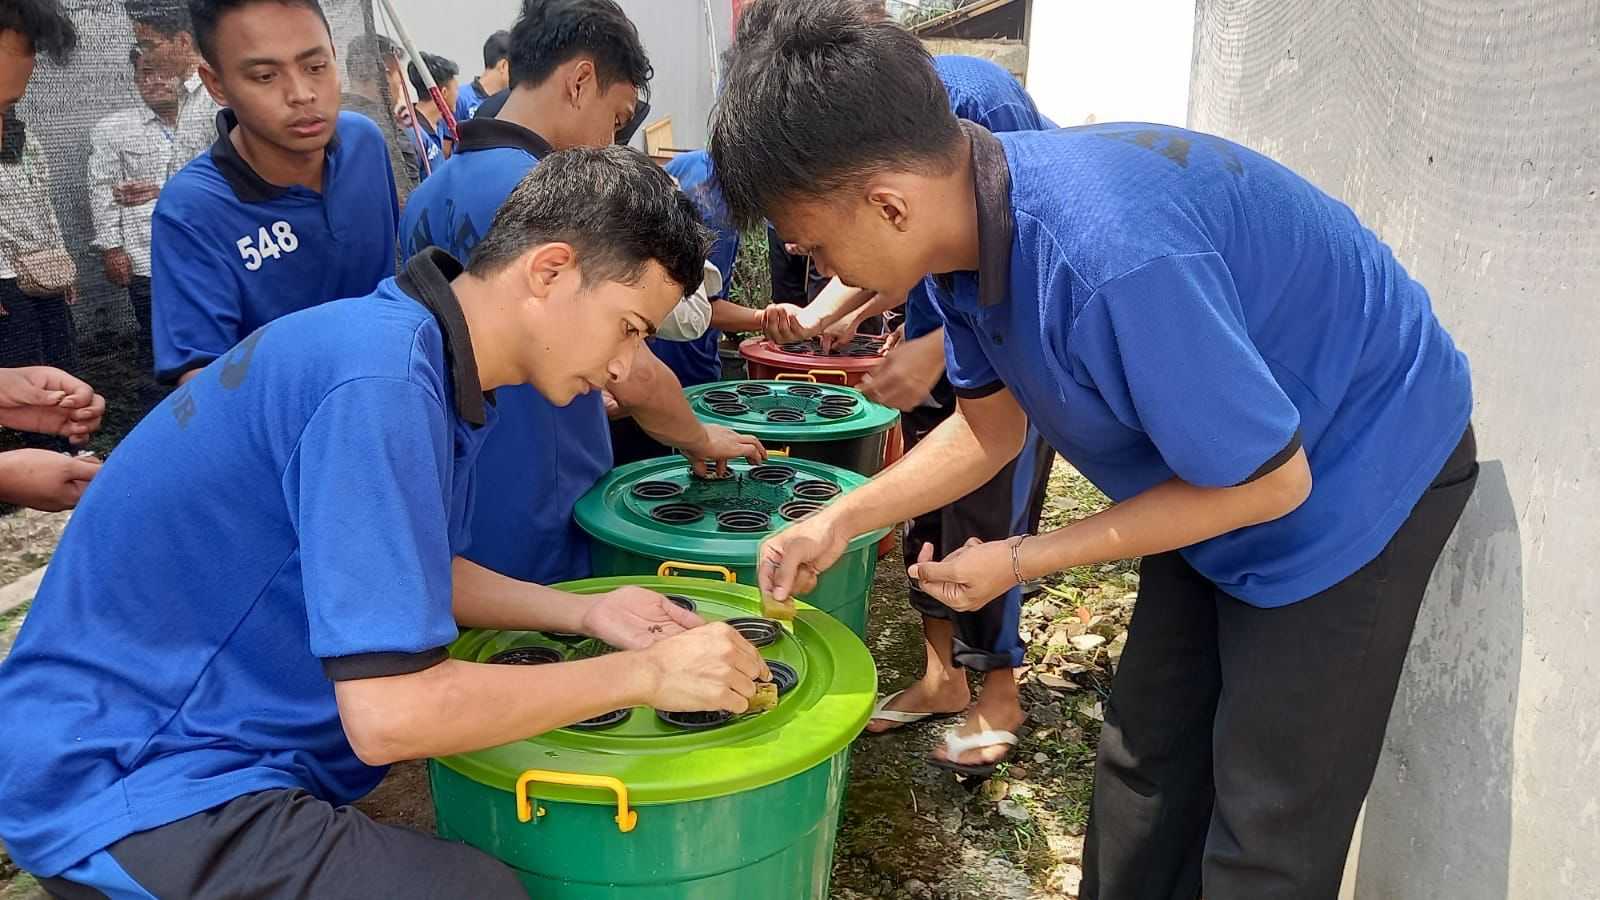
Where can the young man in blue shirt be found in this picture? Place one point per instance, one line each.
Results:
(577, 69)
(1218, 345)
(495, 78)
(294, 204)
(427, 138)
(191, 716)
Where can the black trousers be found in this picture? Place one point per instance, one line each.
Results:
(288, 844)
(36, 331)
(630, 443)
(1009, 503)
(139, 299)
(1239, 742)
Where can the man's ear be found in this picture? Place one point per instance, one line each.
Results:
(213, 83)
(543, 268)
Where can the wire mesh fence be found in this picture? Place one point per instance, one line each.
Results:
(84, 156)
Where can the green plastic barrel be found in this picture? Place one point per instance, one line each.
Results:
(638, 808)
(822, 422)
(655, 516)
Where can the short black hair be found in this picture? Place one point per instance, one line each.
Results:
(204, 15)
(616, 207)
(368, 55)
(496, 48)
(818, 94)
(168, 17)
(440, 68)
(44, 24)
(549, 33)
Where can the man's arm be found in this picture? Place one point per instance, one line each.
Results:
(194, 297)
(956, 458)
(654, 397)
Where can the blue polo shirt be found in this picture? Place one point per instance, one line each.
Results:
(233, 252)
(310, 489)
(426, 141)
(980, 91)
(541, 457)
(1168, 304)
(697, 362)
(468, 98)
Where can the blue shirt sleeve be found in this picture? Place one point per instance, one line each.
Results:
(1167, 347)
(370, 505)
(194, 299)
(922, 318)
(966, 364)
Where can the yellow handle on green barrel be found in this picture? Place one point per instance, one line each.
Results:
(667, 568)
(626, 818)
(797, 376)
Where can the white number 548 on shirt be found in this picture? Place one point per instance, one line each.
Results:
(267, 245)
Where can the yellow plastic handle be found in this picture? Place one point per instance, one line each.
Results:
(798, 376)
(667, 568)
(844, 378)
(626, 818)
(783, 452)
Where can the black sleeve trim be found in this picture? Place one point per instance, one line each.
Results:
(980, 392)
(1277, 460)
(381, 665)
(170, 377)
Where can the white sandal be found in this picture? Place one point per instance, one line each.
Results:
(956, 744)
(900, 717)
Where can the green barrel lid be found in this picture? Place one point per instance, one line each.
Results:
(660, 508)
(658, 762)
(790, 411)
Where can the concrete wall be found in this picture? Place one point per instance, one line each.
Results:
(1467, 134)
(674, 33)
(1124, 61)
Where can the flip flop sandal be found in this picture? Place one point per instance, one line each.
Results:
(900, 717)
(956, 744)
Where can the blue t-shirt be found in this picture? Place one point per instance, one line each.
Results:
(468, 98)
(307, 493)
(981, 91)
(233, 252)
(541, 457)
(1180, 306)
(697, 362)
(426, 141)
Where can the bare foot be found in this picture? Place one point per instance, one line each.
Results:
(944, 695)
(998, 709)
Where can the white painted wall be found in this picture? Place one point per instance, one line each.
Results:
(674, 33)
(1123, 61)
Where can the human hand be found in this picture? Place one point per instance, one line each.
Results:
(135, 193)
(781, 322)
(908, 373)
(45, 480)
(717, 445)
(791, 560)
(46, 400)
(968, 579)
(710, 667)
(119, 268)
(632, 618)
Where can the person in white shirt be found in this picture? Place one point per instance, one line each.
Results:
(162, 34)
(135, 146)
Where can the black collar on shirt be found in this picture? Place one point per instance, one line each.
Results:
(427, 280)
(247, 185)
(991, 184)
(491, 134)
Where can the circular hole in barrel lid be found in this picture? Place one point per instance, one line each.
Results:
(835, 411)
(816, 490)
(845, 400)
(771, 473)
(756, 630)
(744, 520)
(801, 347)
(785, 415)
(526, 656)
(795, 510)
(861, 352)
(729, 409)
(783, 675)
(682, 602)
(618, 716)
(720, 395)
(752, 390)
(805, 390)
(656, 490)
(677, 513)
(695, 721)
